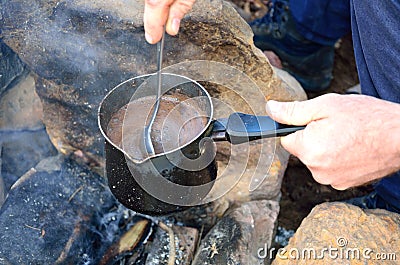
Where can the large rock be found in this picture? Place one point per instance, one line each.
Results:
(175, 244)
(20, 107)
(11, 67)
(52, 215)
(22, 150)
(339, 233)
(238, 236)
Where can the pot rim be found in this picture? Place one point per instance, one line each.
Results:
(136, 161)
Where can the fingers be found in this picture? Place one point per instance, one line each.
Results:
(176, 13)
(157, 13)
(293, 143)
(297, 112)
(294, 113)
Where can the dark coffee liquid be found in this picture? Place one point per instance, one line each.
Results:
(179, 120)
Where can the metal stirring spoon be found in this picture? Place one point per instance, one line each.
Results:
(147, 130)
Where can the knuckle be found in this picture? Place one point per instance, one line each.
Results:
(287, 142)
(156, 3)
(329, 101)
(311, 162)
(330, 96)
(320, 177)
(180, 8)
(291, 109)
(339, 187)
(307, 159)
(186, 4)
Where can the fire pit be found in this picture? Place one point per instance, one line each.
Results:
(59, 209)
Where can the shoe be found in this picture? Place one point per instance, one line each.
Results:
(309, 62)
(354, 90)
(372, 201)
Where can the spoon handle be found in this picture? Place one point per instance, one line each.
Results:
(160, 51)
(148, 142)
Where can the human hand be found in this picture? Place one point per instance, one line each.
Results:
(157, 13)
(349, 139)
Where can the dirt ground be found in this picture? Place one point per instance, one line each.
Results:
(300, 193)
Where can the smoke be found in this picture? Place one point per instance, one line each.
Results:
(66, 43)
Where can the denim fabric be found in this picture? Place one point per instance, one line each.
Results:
(321, 21)
(309, 62)
(376, 38)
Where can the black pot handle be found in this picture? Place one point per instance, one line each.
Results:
(241, 127)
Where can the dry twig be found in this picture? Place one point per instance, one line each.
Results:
(31, 227)
(42, 231)
(171, 259)
(75, 192)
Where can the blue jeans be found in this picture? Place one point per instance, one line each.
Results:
(322, 21)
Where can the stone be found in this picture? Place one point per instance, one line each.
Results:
(340, 233)
(206, 216)
(238, 237)
(22, 150)
(288, 81)
(58, 213)
(267, 182)
(185, 240)
(11, 67)
(20, 107)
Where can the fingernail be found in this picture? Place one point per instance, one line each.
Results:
(149, 39)
(175, 25)
(272, 107)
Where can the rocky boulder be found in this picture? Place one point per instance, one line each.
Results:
(52, 216)
(339, 233)
(238, 236)
(11, 67)
(20, 106)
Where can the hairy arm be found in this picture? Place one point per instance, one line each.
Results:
(349, 139)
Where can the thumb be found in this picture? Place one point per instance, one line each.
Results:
(294, 113)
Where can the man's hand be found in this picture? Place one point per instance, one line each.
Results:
(349, 139)
(159, 12)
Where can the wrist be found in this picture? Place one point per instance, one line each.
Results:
(394, 131)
